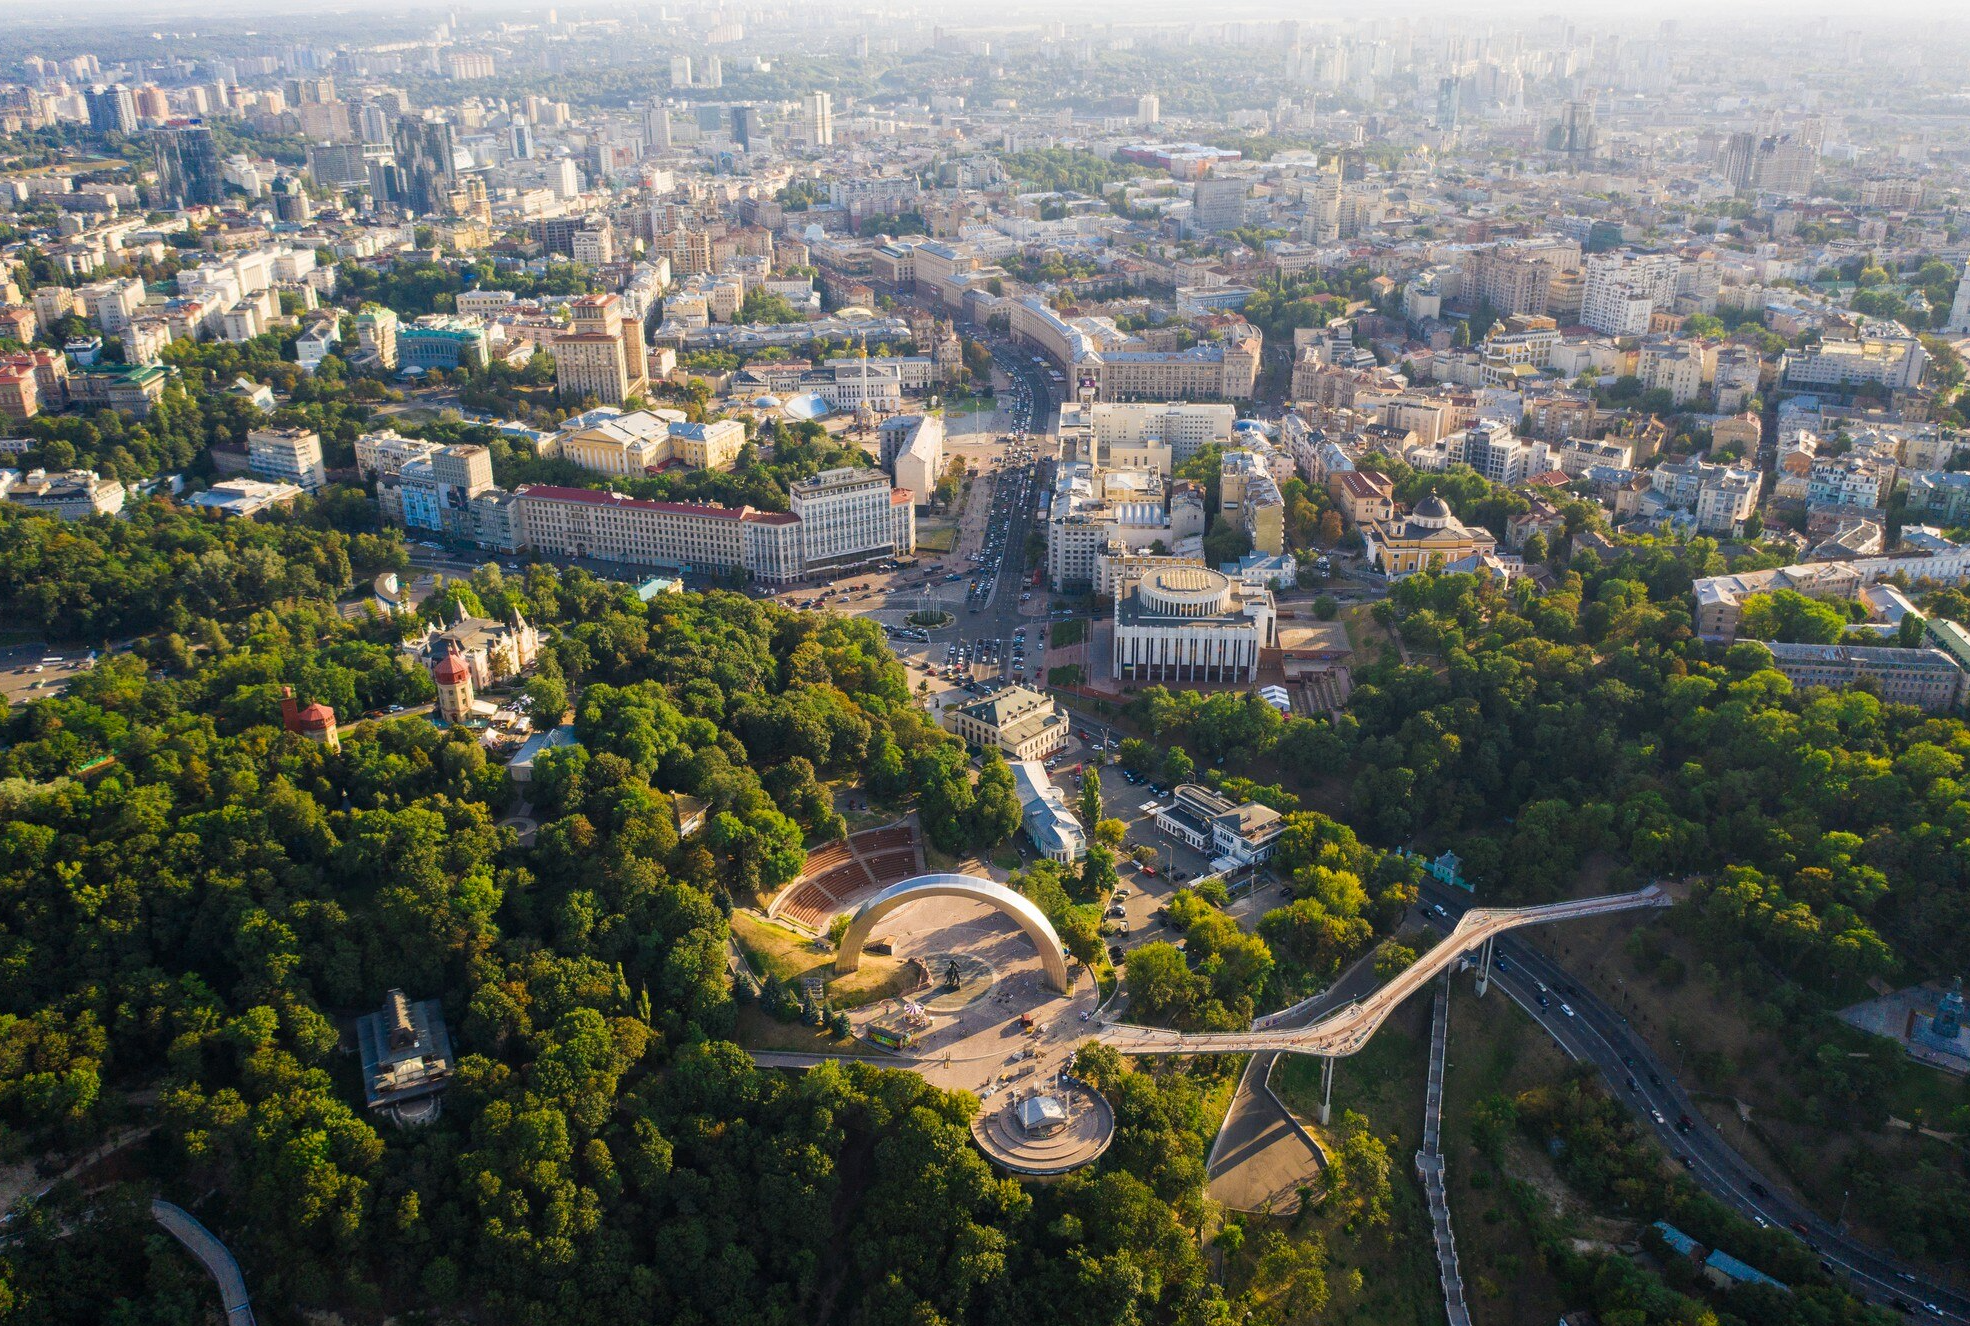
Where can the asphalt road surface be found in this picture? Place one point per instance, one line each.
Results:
(1596, 1033)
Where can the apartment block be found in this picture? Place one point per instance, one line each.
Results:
(287, 455)
(603, 356)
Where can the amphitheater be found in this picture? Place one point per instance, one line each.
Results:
(840, 875)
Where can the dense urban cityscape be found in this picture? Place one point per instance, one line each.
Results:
(696, 664)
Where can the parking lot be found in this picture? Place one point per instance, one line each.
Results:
(35, 672)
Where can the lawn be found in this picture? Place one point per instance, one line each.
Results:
(757, 1031)
(774, 950)
(936, 536)
(1070, 632)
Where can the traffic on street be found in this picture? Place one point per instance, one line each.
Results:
(1591, 1031)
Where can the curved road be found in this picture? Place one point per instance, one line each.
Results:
(1348, 1030)
(1596, 1033)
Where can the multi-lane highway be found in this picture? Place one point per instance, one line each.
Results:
(992, 627)
(1591, 1031)
(1346, 1031)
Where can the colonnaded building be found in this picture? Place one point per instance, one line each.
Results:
(1182, 622)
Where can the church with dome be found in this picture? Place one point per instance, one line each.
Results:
(1409, 543)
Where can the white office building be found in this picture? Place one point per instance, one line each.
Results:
(850, 516)
(1190, 623)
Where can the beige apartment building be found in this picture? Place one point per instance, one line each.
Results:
(645, 441)
(583, 522)
(603, 355)
(287, 455)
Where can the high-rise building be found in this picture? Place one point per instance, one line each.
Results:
(376, 333)
(1623, 292)
(603, 356)
(680, 71)
(523, 140)
(1148, 110)
(1785, 165)
(287, 455)
(819, 118)
(310, 91)
(426, 165)
(373, 123)
(656, 127)
(151, 103)
(291, 201)
(111, 109)
(1959, 309)
(1576, 135)
(1217, 205)
(188, 169)
(712, 73)
(1449, 94)
(745, 126)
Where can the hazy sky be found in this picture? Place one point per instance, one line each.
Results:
(1953, 15)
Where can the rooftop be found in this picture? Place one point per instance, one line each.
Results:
(596, 497)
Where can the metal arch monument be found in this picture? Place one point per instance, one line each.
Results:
(1029, 918)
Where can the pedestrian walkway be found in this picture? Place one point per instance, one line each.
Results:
(212, 1254)
(1347, 1030)
(1429, 1164)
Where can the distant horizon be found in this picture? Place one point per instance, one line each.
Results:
(999, 16)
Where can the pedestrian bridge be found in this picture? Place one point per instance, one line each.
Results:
(1347, 1030)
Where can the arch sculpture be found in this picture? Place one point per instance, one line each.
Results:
(1053, 956)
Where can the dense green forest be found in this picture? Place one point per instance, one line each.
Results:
(1823, 831)
(193, 926)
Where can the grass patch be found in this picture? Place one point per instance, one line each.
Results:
(1070, 632)
(774, 950)
(1397, 1285)
(936, 536)
(1070, 674)
(757, 1031)
(1367, 637)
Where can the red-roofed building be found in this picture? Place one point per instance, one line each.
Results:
(583, 522)
(454, 682)
(313, 721)
(20, 396)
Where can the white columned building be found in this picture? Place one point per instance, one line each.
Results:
(1190, 623)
